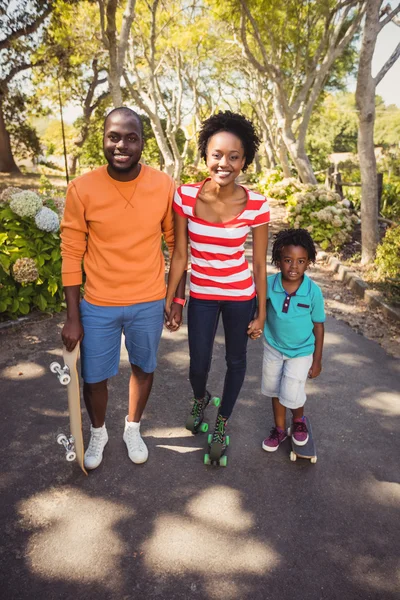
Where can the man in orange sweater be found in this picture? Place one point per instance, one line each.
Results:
(113, 221)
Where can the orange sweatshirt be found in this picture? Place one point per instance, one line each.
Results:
(116, 227)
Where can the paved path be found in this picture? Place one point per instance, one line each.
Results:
(263, 528)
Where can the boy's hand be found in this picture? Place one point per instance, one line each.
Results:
(315, 370)
(173, 316)
(255, 328)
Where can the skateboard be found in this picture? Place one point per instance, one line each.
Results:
(202, 426)
(215, 455)
(68, 376)
(306, 451)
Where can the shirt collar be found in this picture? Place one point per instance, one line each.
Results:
(303, 290)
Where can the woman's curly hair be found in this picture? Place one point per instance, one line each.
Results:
(293, 237)
(233, 123)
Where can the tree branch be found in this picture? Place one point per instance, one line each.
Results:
(388, 64)
(389, 17)
(26, 29)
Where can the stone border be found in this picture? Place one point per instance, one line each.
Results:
(353, 281)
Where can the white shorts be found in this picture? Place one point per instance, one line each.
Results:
(285, 378)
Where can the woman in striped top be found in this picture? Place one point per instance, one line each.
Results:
(216, 216)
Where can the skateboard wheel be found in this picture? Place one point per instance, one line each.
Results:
(61, 438)
(206, 459)
(227, 440)
(216, 401)
(223, 461)
(55, 367)
(204, 427)
(289, 431)
(70, 456)
(293, 456)
(313, 460)
(64, 379)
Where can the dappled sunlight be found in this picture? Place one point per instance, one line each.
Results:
(383, 403)
(73, 537)
(385, 493)
(374, 573)
(49, 412)
(352, 360)
(214, 525)
(168, 432)
(331, 339)
(56, 352)
(23, 370)
(180, 358)
(180, 449)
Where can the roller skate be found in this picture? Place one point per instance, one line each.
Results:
(194, 422)
(218, 442)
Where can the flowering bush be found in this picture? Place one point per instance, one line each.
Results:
(25, 203)
(7, 194)
(24, 270)
(320, 212)
(388, 254)
(47, 220)
(30, 259)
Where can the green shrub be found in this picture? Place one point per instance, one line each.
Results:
(30, 259)
(320, 212)
(390, 203)
(388, 254)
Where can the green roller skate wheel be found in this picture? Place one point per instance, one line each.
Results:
(227, 440)
(206, 459)
(209, 438)
(223, 461)
(204, 427)
(216, 401)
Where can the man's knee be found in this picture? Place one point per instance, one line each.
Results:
(92, 388)
(140, 374)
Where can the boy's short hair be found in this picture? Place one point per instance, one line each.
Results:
(293, 237)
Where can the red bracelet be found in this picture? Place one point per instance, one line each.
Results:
(180, 301)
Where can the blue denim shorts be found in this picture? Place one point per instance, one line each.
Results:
(142, 325)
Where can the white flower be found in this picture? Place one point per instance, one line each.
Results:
(26, 204)
(8, 193)
(47, 220)
(310, 228)
(25, 270)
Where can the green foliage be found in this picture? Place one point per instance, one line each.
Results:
(388, 254)
(390, 204)
(191, 174)
(275, 186)
(21, 239)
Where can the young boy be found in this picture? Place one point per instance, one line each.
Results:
(293, 334)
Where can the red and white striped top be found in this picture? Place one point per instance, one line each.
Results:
(220, 270)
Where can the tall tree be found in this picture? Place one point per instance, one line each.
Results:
(20, 24)
(295, 45)
(377, 17)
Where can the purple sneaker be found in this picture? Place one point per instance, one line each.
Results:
(300, 432)
(275, 438)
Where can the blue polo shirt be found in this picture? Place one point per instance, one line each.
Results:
(291, 317)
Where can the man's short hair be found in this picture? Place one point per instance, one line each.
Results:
(128, 112)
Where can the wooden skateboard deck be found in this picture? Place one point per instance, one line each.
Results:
(306, 451)
(68, 375)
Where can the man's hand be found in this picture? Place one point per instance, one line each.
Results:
(173, 316)
(72, 333)
(315, 370)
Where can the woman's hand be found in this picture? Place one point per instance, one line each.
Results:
(173, 316)
(255, 328)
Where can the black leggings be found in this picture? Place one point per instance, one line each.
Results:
(203, 317)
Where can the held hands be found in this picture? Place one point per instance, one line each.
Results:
(315, 370)
(255, 328)
(173, 316)
(72, 333)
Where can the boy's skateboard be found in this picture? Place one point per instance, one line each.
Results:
(306, 451)
(68, 376)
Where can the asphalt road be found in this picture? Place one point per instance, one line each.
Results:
(262, 528)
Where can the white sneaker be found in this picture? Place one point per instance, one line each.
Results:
(137, 449)
(94, 452)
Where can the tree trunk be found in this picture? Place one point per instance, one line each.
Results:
(299, 157)
(283, 158)
(365, 100)
(7, 162)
